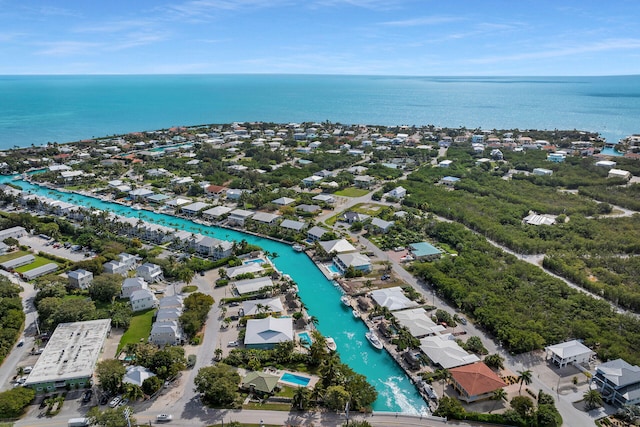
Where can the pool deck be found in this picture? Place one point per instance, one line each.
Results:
(313, 379)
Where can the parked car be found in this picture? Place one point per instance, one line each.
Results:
(86, 397)
(164, 418)
(21, 342)
(114, 402)
(462, 320)
(234, 343)
(27, 369)
(123, 402)
(385, 277)
(104, 399)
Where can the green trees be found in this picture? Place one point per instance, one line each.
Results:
(13, 402)
(105, 287)
(336, 397)
(592, 399)
(167, 362)
(499, 395)
(494, 361)
(474, 345)
(196, 309)
(151, 385)
(218, 384)
(301, 399)
(110, 417)
(110, 373)
(11, 315)
(524, 377)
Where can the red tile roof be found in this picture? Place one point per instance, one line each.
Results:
(476, 378)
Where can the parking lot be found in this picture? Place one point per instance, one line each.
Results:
(39, 244)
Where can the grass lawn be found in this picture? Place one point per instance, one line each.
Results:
(37, 263)
(367, 208)
(139, 329)
(352, 192)
(268, 406)
(188, 289)
(13, 255)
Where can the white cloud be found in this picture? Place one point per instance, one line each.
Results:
(424, 20)
(69, 47)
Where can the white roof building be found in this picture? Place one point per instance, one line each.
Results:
(569, 352)
(132, 284)
(338, 246)
(266, 333)
(150, 272)
(252, 307)
(418, 322)
(136, 375)
(249, 286)
(252, 267)
(392, 298)
(70, 355)
(443, 350)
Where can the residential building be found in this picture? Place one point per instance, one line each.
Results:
(166, 333)
(312, 181)
(266, 333)
(290, 224)
(443, 350)
(339, 246)
(381, 225)
(239, 216)
(475, 382)
(445, 163)
(142, 299)
(252, 286)
(542, 172)
(17, 262)
(354, 259)
(316, 233)
(40, 271)
(398, 192)
(618, 382)
(392, 298)
(556, 157)
(15, 232)
(265, 217)
(570, 352)
(619, 173)
(132, 284)
(216, 213)
(136, 375)
(253, 307)
(150, 272)
(194, 209)
(425, 251)
(115, 267)
(418, 322)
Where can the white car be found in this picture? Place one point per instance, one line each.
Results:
(114, 402)
(164, 417)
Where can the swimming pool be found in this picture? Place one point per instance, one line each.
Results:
(333, 269)
(305, 339)
(254, 261)
(295, 379)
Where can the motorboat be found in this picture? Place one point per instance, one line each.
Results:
(298, 248)
(355, 313)
(331, 344)
(374, 340)
(346, 300)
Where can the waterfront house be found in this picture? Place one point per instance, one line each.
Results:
(266, 333)
(339, 246)
(418, 322)
(194, 208)
(353, 259)
(443, 350)
(475, 381)
(142, 299)
(216, 213)
(253, 307)
(177, 202)
(80, 278)
(265, 217)
(214, 190)
(618, 382)
(132, 284)
(252, 267)
(150, 272)
(570, 352)
(392, 298)
(315, 233)
(239, 216)
(234, 194)
(290, 224)
(252, 286)
(140, 194)
(424, 251)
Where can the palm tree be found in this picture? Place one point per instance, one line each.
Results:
(443, 375)
(218, 353)
(592, 399)
(133, 392)
(301, 398)
(524, 377)
(498, 395)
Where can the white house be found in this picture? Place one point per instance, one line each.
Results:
(166, 333)
(445, 163)
(315, 233)
(132, 284)
(312, 180)
(115, 267)
(398, 192)
(338, 246)
(150, 272)
(392, 298)
(354, 259)
(619, 173)
(239, 216)
(569, 352)
(142, 299)
(80, 278)
(266, 333)
(443, 350)
(136, 375)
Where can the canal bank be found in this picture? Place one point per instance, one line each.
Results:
(322, 298)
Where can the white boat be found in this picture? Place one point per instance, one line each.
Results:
(331, 344)
(346, 300)
(373, 339)
(355, 313)
(298, 248)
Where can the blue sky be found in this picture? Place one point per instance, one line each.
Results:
(381, 37)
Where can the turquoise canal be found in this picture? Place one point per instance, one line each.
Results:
(322, 298)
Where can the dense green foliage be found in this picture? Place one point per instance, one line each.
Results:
(11, 315)
(218, 384)
(519, 304)
(13, 402)
(196, 309)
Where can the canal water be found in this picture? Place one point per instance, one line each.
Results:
(322, 298)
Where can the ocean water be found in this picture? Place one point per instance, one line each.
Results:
(41, 109)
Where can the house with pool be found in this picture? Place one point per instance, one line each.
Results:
(266, 333)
